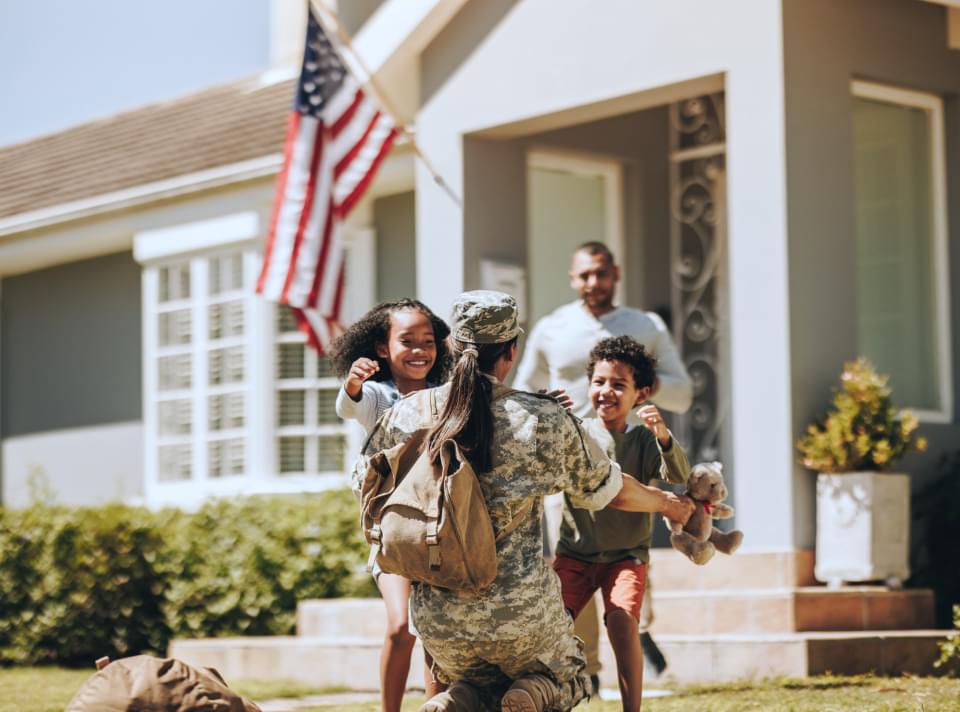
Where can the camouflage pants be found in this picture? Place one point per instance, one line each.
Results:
(492, 666)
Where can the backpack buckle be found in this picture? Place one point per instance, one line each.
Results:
(375, 534)
(432, 537)
(434, 557)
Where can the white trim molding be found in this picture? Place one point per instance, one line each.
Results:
(932, 104)
(181, 240)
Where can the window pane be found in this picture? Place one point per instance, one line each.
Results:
(226, 319)
(175, 462)
(327, 407)
(174, 372)
(226, 365)
(225, 411)
(176, 416)
(896, 325)
(174, 282)
(290, 407)
(291, 450)
(226, 457)
(330, 453)
(226, 273)
(286, 322)
(174, 328)
(324, 367)
(290, 360)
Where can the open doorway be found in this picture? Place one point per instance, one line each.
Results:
(571, 198)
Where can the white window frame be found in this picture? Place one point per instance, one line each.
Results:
(933, 106)
(196, 243)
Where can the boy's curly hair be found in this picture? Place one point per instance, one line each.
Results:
(361, 338)
(627, 350)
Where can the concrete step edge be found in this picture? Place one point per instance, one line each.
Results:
(799, 636)
(320, 641)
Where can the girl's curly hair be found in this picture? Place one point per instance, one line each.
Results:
(360, 340)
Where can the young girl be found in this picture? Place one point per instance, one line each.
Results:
(394, 349)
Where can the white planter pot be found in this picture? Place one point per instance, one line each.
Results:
(863, 527)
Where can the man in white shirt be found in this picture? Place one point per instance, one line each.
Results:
(556, 352)
(555, 357)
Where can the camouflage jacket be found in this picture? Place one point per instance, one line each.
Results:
(538, 449)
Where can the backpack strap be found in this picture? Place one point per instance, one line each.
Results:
(515, 522)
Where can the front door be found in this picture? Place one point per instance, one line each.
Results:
(571, 199)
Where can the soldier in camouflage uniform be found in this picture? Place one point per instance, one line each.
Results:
(514, 640)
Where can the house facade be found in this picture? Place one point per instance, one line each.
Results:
(779, 179)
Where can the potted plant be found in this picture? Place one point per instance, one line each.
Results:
(863, 510)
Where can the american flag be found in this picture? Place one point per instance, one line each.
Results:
(336, 139)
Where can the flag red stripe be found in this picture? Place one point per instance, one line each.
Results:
(347, 115)
(322, 257)
(293, 126)
(338, 298)
(305, 213)
(303, 324)
(345, 162)
(347, 205)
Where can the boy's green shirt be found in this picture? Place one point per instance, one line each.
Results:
(612, 535)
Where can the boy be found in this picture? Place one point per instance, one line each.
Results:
(609, 549)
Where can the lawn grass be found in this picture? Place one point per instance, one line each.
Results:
(38, 689)
(49, 690)
(814, 694)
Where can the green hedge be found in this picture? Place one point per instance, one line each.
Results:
(76, 584)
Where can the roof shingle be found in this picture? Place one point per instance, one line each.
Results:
(212, 128)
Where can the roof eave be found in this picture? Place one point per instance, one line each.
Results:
(231, 174)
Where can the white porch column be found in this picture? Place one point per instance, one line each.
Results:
(759, 297)
(439, 219)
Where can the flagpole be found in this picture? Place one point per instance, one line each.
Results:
(346, 40)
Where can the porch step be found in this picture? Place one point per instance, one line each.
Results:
(704, 658)
(813, 608)
(671, 571)
(353, 663)
(348, 662)
(747, 611)
(361, 617)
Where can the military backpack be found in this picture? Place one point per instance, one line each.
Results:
(428, 521)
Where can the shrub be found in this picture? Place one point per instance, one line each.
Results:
(76, 584)
(80, 580)
(950, 648)
(863, 431)
(240, 566)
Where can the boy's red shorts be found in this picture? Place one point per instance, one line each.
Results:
(622, 584)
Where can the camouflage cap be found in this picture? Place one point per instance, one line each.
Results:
(485, 317)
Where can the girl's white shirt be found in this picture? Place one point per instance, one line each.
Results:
(375, 398)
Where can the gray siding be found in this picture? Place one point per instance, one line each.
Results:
(395, 221)
(71, 346)
(826, 45)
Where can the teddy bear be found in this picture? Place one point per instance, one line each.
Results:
(698, 539)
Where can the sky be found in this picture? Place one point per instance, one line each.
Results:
(64, 62)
